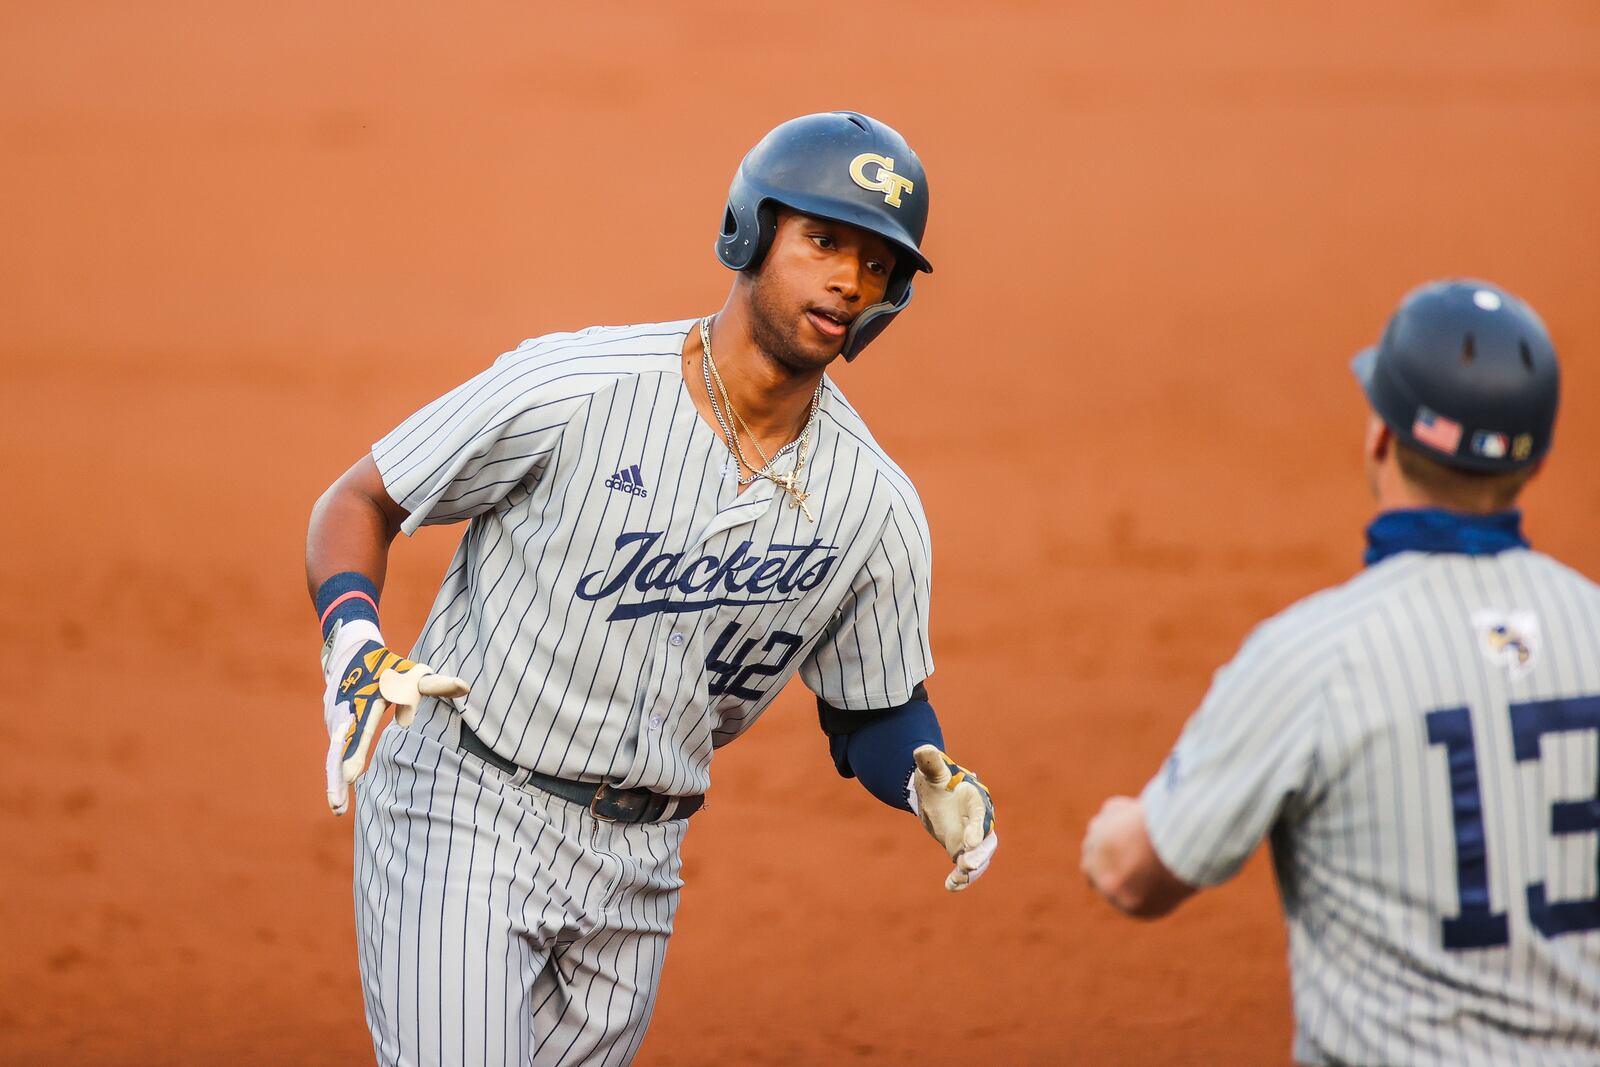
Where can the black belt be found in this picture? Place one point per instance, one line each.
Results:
(603, 801)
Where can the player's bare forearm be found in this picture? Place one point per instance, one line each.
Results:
(347, 552)
(1121, 863)
(352, 526)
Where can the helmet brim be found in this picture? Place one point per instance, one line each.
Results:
(1363, 365)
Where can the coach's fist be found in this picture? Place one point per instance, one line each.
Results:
(365, 677)
(957, 810)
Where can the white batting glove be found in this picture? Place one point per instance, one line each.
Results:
(365, 677)
(956, 809)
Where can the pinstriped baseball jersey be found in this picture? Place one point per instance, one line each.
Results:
(1422, 744)
(618, 607)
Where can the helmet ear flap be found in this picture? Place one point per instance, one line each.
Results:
(746, 234)
(766, 230)
(873, 320)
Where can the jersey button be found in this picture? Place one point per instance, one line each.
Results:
(655, 722)
(676, 639)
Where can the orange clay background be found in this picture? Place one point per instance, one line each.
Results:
(240, 241)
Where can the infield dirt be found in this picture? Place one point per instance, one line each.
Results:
(242, 242)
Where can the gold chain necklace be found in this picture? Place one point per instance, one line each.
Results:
(789, 483)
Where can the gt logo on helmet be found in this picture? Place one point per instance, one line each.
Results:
(887, 182)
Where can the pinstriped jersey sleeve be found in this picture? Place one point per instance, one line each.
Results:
(876, 650)
(466, 451)
(1245, 757)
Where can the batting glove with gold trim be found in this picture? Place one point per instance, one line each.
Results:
(365, 677)
(957, 810)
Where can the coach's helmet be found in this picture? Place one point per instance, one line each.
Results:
(841, 166)
(1465, 373)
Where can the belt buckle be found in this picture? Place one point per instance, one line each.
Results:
(611, 804)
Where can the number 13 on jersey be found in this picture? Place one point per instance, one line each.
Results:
(1478, 925)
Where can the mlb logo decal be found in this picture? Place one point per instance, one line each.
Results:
(1490, 445)
(1510, 639)
(1436, 431)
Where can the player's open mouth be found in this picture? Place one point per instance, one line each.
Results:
(828, 323)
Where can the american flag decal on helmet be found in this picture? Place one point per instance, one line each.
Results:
(1436, 431)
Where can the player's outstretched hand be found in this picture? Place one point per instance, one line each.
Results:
(365, 677)
(957, 810)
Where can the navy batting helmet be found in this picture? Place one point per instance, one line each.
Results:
(841, 166)
(1465, 373)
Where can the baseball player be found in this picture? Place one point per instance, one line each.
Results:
(664, 523)
(1420, 743)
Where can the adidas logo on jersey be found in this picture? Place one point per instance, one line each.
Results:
(628, 480)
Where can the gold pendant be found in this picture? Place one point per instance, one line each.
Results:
(797, 498)
(790, 483)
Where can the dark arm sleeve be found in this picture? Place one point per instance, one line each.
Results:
(875, 746)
